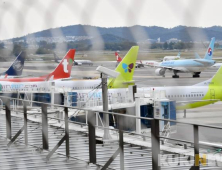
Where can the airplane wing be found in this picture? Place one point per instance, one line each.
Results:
(173, 68)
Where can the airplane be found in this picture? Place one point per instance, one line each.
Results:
(142, 63)
(76, 62)
(167, 58)
(16, 67)
(63, 70)
(201, 94)
(125, 68)
(194, 66)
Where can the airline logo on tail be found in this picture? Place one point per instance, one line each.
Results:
(127, 67)
(209, 51)
(65, 64)
(18, 65)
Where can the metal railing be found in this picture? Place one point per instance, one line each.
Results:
(92, 124)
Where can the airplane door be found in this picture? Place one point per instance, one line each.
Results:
(212, 94)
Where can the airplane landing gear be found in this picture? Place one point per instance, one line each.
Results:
(196, 75)
(175, 74)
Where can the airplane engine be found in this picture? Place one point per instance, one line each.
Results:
(160, 71)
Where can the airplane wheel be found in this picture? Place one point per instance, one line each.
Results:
(196, 76)
(175, 76)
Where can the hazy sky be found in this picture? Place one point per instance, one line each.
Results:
(20, 17)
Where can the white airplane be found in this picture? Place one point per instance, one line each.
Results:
(76, 62)
(125, 68)
(167, 58)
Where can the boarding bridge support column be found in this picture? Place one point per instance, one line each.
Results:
(8, 119)
(45, 142)
(106, 135)
(132, 91)
(137, 111)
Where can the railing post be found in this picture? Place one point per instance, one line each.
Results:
(92, 136)
(196, 147)
(8, 119)
(155, 144)
(121, 146)
(67, 132)
(25, 123)
(45, 142)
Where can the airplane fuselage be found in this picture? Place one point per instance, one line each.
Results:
(188, 65)
(188, 97)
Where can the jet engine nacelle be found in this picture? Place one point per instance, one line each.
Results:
(160, 71)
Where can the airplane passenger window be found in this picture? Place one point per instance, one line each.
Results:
(194, 95)
(191, 95)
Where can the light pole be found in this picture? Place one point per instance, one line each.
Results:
(105, 72)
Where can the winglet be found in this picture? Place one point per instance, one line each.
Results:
(210, 50)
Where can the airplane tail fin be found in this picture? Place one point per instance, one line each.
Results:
(126, 69)
(17, 66)
(63, 70)
(210, 50)
(118, 58)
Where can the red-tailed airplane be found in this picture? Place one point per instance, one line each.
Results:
(63, 70)
(118, 58)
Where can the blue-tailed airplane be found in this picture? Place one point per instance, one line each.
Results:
(16, 68)
(194, 66)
